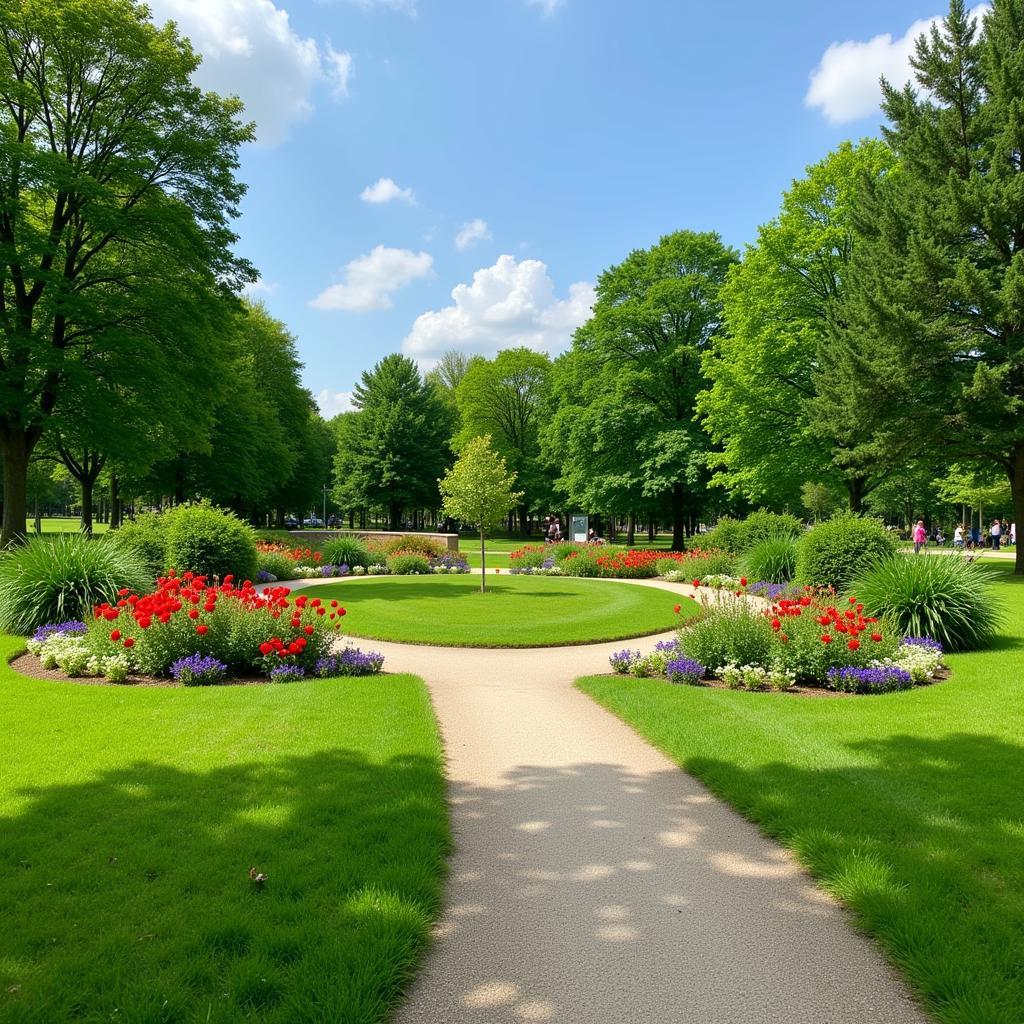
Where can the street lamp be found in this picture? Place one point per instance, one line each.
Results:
(325, 506)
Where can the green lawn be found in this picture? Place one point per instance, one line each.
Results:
(129, 820)
(909, 807)
(69, 524)
(516, 611)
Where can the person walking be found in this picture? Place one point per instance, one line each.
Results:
(995, 532)
(958, 537)
(920, 536)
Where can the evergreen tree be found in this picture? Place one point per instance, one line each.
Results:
(927, 352)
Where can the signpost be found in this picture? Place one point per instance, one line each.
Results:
(580, 528)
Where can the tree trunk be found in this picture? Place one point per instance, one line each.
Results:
(856, 490)
(524, 521)
(483, 562)
(1017, 491)
(631, 530)
(394, 515)
(115, 502)
(86, 484)
(16, 445)
(652, 530)
(678, 519)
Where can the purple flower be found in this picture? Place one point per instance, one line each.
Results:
(450, 560)
(869, 680)
(922, 641)
(621, 661)
(287, 673)
(350, 662)
(668, 646)
(44, 633)
(685, 670)
(263, 576)
(198, 670)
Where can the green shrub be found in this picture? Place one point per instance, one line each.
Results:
(940, 596)
(763, 525)
(709, 562)
(530, 556)
(210, 541)
(278, 564)
(565, 547)
(347, 550)
(147, 535)
(772, 559)
(580, 561)
(408, 563)
(728, 535)
(62, 578)
(406, 543)
(731, 630)
(835, 551)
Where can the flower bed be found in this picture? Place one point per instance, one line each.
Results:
(198, 633)
(588, 560)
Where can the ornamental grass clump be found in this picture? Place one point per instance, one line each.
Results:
(350, 551)
(772, 559)
(56, 579)
(939, 596)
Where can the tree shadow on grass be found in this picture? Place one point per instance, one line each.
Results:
(926, 845)
(128, 897)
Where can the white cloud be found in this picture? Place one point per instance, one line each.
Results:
(845, 84)
(394, 5)
(383, 190)
(371, 280)
(333, 402)
(547, 6)
(250, 50)
(512, 303)
(470, 233)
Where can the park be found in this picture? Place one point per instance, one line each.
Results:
(648, 654)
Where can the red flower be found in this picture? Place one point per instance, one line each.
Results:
(266, 648)
(853, 600)
(696, 583)
(129, 642)
(854, 645)
(193, 613)
(743, 581)
(145, 622)
(826, 639)
(202, 630)
(877, 637)
(309, 631)
(341, 611)
(776, 624)
(677, 609)
(784, 638)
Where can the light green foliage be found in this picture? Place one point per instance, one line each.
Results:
(61, 578)
(408, 564)
(478, 490)
(117, 230)
(739, 535)
(350, 551)
(278, 564)
(834, 551)
(210, 542)
(930, 353)
(146, 535)
(941, 596)
(730, 631)
(772, 559)
(777, 307)
(819, 499)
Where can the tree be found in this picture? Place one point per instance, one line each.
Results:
(931, 354)
(396, 448)
(777, 306)
(478, 490)
(819, 499)
(656, 314)
(115, 172)
(507, 398)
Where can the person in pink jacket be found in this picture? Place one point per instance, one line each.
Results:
(920, 536)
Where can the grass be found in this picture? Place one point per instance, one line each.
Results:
(909, 807)
(516, 611)
(63, 524)
(129, 820)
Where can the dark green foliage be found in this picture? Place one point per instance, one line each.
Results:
(210, 541)
(279, 565)
(408, 564)
(426, 546)
(941, 596)
(146, 535)
(772, 559)
(739, 535)
(62, 578)
(350, 551)
(727, 535)
(834, 551)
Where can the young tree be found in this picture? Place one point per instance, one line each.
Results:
(777, 306)
(507, 397)
(656, 314)
(478, 490)
(394, 450)
(930, 353)
(115, 172)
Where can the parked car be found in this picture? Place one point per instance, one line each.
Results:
(291, 523)
(315, 521)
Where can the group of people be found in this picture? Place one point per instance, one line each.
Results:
(999, 533)
(552, 530)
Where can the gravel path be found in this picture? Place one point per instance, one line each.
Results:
(593, 882)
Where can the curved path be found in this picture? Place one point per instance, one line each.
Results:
(593, 882)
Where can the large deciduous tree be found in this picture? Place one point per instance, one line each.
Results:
(655, 316)
(507, 398)
(778, 305)
(117, 180)
(395, 449)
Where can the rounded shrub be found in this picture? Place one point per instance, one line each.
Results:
(408, 563)
(210, 541)
(835, 551)
(763, 525)
(276, 563)
(350, 551)
(146, 534)
(731, 632)
(727, 535)
(426, 546)
(709, 562)
(62, 579)
(772, 559)
(938, 596)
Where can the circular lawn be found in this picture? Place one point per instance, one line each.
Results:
(516, 611)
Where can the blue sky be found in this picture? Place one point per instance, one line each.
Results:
(510, 150)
